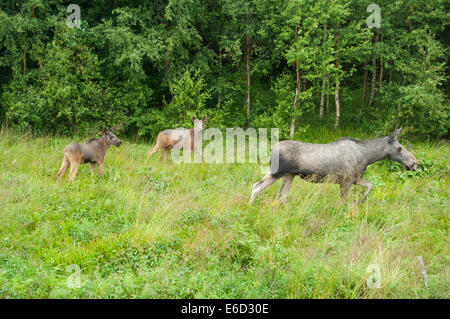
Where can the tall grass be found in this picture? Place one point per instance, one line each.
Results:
(162, 230)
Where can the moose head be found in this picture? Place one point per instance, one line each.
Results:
(398, 153)
(110, 137)
(198, 124)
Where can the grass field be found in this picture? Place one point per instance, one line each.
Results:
(162, 230)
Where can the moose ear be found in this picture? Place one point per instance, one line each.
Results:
(104, 130)
(394, 134)
(204, 118)
(192, 118)
(112, 129)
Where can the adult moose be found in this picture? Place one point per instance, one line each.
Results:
(92, 152)
(190, 138)
(343, 162)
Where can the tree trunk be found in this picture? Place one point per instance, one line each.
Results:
(319, 92)
(336, 92)
(390, 71)
(328, 96)
(248, 77)
(381, 66)
(381, 72)
(24, 61)
(374, 74)
(322, 98)
(166, 60)
(409, 23)
(374, 78)
(364, 82)
(338, 105)
(298, 89)
(219, 98)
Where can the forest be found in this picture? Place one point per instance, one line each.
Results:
(149, 65)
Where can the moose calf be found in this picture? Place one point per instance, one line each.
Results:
(92, 152)
(181, 138)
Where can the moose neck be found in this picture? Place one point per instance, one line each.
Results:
(104, 143)
(374, 150)
(196, 134)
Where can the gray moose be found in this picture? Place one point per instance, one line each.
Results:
(342, 162)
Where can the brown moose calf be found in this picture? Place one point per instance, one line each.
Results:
(181, 138)
(92, 152)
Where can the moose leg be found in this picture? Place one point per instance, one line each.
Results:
(196, 149)
(345, 187)
(63, 169)
(198, 157)
(284, 189)
(154, 150)
(101, 168)
(180, 153)
(91, 168)
(261, 185)
(73, 171)
(165, 153)
(369, 186)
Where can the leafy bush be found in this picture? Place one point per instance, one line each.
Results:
(66, 94)
(420, 108)
(189, 99)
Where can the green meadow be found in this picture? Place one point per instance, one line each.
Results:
(156, 229)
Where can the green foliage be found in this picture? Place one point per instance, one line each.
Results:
(281, 114)
(188, 94)
(189, 99)
(148, 66)
(66, 94)
(421, 108)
